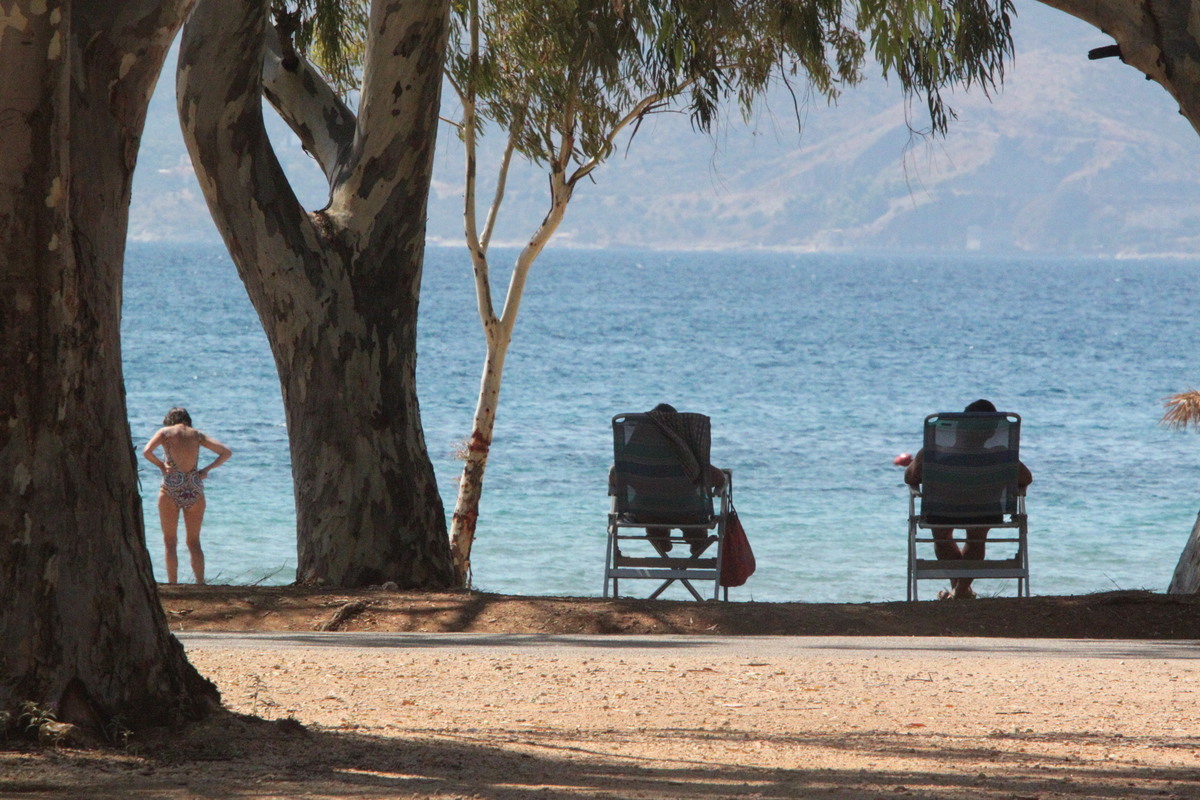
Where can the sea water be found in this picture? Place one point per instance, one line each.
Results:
(817, 370)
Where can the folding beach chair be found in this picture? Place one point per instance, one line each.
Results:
(654, 484)
(969, 479)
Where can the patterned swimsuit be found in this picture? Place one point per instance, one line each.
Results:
(184, 488)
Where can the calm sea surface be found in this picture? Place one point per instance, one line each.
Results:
(816, 370)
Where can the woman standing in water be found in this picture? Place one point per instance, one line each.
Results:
(182, 485)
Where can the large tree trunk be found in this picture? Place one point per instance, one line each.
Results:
(1157, 37)
(336, 290)
(81, 628)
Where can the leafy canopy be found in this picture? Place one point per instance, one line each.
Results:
(331, 33)
(545, 69)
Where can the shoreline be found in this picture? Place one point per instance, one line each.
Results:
(1107, 615)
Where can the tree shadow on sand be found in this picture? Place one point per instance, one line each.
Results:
(237, 756)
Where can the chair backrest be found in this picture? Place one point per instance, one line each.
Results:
(649, 474)
(971, 465)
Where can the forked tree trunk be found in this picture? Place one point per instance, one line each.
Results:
(498, 333)
(336, 290)
(81, 628)
(498, 329)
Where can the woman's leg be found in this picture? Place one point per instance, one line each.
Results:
(192, 519)
(168, 516)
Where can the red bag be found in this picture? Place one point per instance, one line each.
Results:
(737, 559)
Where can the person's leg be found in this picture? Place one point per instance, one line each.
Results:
(697, 540)
(944, 546)
(974, 550)
(946, 549)
(660, 538)
(168, 516)
(192, 519)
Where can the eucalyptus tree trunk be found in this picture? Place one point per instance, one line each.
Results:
(336, 290)
(81, 628)
(498, 333)
(498, 329)
(1160, 38)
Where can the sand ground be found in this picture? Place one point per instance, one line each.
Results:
(659, 723)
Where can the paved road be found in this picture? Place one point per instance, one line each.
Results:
(714, 646)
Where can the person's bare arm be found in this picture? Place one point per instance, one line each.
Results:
(223, 454)
(716, 479)
(912, 473)
(1024, 476)
(149, 453)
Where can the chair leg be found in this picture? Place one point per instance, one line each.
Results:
(691, 589)
(609, 560)
(912, 564)
(663, 588)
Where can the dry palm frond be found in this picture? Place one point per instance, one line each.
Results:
(1182, 409)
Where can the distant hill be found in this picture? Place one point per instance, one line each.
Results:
(1072, 156)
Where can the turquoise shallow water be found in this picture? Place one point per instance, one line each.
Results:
(817, 370)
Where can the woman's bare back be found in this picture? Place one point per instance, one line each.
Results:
(181, 444)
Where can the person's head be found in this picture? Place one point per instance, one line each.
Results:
(664, 408)
(977, 433)
(178, 416)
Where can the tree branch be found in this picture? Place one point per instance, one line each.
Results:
(560, 196)
(219, 92)
(501, 181)
(402, 80)
(643, 106)
(314, 112)
(477, 248)
(1154, 38)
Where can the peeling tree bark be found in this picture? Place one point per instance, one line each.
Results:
(81, 628)
(336, 290)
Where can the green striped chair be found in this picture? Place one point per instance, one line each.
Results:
(653, 484)
(969, 479)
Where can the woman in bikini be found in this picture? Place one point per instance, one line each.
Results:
(182, 485)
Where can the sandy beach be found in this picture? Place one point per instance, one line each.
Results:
(670, 718)
(664, 722)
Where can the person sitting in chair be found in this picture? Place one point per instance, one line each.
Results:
(945, 546)
(690, 449)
